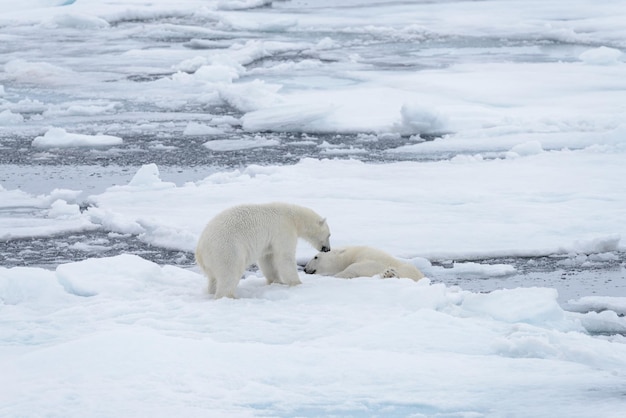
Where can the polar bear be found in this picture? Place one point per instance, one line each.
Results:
(262, 233)
(360, 261)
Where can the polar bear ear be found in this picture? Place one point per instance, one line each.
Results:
(323, 221)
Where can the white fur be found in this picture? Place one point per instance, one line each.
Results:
(266, 234)
(360, 261)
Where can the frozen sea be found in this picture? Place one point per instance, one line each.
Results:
(482, 141)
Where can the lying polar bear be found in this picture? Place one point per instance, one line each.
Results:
(360, 261)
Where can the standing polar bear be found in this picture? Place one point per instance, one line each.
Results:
(360, 261)
(266, 234)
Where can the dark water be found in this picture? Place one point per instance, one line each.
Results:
(172, 149)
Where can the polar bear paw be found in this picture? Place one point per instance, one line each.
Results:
(389, 273)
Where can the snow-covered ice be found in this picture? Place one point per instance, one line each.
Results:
(123, 336)
(483, 142)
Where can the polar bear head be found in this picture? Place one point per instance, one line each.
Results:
(327, 263)
(313, 228)
(320, 239)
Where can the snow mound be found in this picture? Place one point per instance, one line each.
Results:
(599, 245)
(60, 138)
(418, 119)
(527, 148)
(601, 56)
(217, 73)
(61, 209)
(77, 21)
(21, 285)
(41, 73)
(122, 276)
(148, 177)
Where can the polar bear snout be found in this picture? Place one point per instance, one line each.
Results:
(325, 248)
(309, 270)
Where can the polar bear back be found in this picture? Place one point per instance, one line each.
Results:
(247, 230)
(251, 230)
(359, 253)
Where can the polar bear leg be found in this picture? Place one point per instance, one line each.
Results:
(362, 269)
(286, 266)
(212, 285)
(269, 270)
(227, 278)
(206, 271)
(226, 287)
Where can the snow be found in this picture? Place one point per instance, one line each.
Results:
(550, 203)
(512, 113)
(146, 334)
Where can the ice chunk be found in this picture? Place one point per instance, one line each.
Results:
(418, 119)
(598, 304)
(80, 109)
(63, 210)
(9, 118)
(59, 138)
(530, 305)
(217, 73)
(148, 176)
(194, 128)
(251, 96)
(604, 322)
